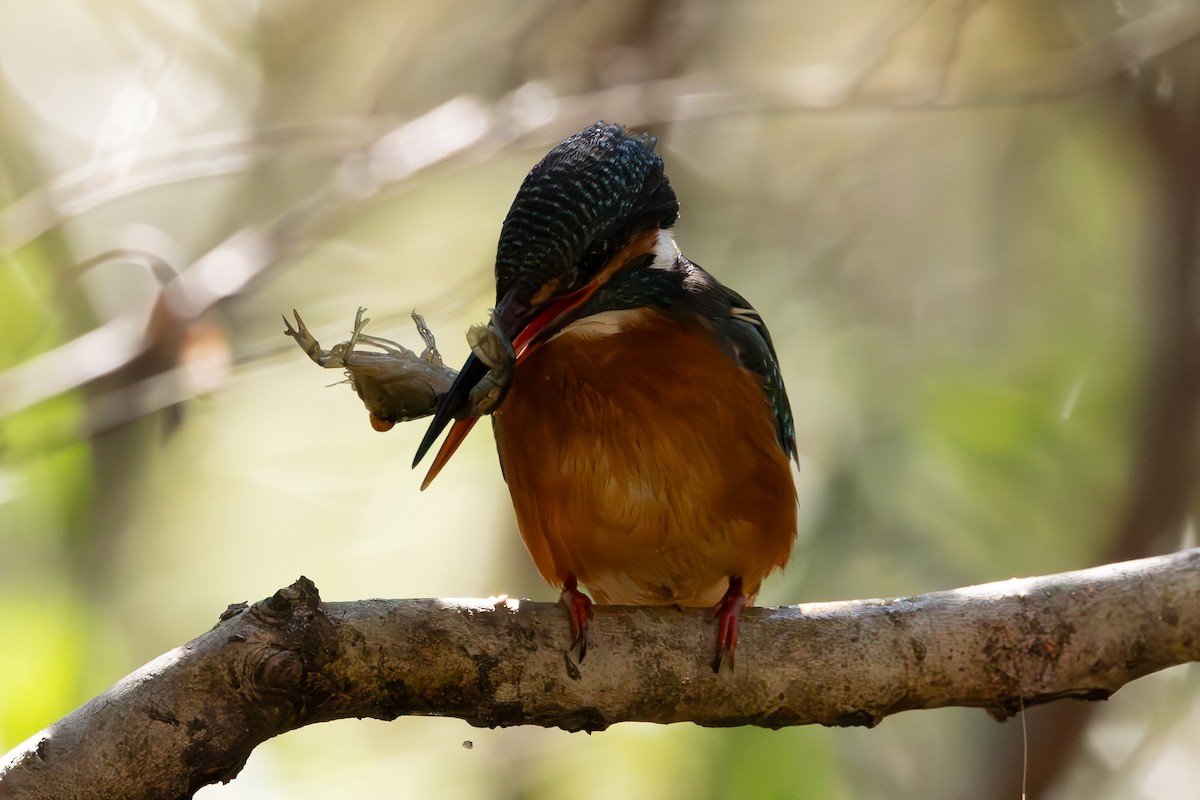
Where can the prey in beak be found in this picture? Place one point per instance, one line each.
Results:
(481, 384)
(592, 206)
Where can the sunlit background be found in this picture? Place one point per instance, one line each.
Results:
(971, 227)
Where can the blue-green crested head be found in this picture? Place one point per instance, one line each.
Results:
(576, 209)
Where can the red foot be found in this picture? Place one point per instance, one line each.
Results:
(579, 612)
(726, 612)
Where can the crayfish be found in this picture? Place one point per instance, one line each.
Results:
(397, 384)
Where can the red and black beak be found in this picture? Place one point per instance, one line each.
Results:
(533, 326)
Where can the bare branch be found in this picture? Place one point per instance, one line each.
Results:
(193, 716)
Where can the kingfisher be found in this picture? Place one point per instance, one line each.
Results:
(637, 403)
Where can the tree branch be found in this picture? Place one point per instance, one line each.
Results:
(192, 716)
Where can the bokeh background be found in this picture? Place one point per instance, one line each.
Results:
(971, 226)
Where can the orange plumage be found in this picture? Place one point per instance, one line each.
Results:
(643, 461)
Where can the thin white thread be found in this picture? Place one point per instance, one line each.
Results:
(1024, 747)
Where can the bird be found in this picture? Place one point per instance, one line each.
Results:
(640, 417)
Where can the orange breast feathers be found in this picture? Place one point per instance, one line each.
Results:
(643, 461)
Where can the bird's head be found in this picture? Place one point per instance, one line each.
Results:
(569, 229)
(574, 212)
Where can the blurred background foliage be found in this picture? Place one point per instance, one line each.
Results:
(970, 225)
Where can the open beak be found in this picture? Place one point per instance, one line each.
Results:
(533, 327)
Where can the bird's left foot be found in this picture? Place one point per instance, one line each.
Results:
(579, 612)
(726, 613)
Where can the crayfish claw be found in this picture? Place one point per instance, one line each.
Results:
(494, 350)
(430, 354)
(307, 342)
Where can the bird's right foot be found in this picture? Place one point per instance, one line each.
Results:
(579, 612)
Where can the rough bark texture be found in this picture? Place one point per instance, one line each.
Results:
(192, 716)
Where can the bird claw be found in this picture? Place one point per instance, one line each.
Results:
(579, 613)
(726, 612)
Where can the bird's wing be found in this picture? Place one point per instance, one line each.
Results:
(742, 330)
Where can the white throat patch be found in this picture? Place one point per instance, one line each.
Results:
(666, 252)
